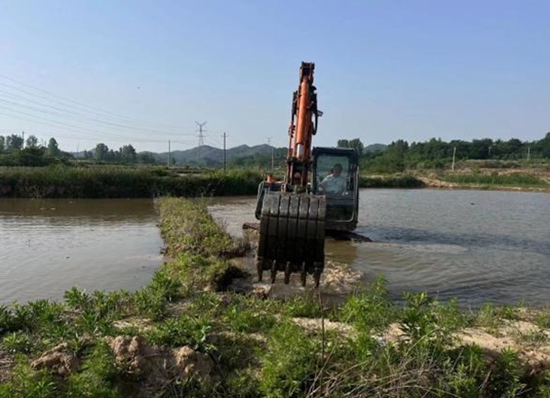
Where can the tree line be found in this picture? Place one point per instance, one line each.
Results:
(126, 154)
(16, 151)
(398, 156)
(435, 153)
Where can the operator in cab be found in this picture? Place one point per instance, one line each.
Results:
(334, 183)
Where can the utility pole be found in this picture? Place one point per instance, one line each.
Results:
(454, 156)
(201, 139)
(224, 149)
(23, 136)
(528, 153)
(169, 153)
(272, 154)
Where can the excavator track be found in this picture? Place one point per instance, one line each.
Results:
(292, 236)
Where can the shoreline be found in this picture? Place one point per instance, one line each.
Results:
(122, 182)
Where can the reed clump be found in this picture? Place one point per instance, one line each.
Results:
(121, 182)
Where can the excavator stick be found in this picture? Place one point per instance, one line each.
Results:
(292, 236)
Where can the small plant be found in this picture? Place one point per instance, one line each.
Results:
(491, 315)
(77, 299)
(289, 361)
(306, 307)
(151, 303)
(181, 331)
(98, 375)
(542, 320)
(241, 319)
(369, 310)
(17, 342)
(534, 337)
(505, 379)
(26, 383)
(7, 322)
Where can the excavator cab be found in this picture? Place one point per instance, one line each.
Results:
(293, 226)
(336, 176)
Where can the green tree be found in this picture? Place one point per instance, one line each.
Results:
(354, 143)
(2, 144)
(14, 142)
(53, 148)
(31, 142)
(101, 152)
(128, 154)
(146, 158)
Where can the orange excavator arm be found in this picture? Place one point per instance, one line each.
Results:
(303, 125)
(292, 220)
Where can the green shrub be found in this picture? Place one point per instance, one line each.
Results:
(27, 383)
(17, 342)
(98, 375)
(289, 361)
(183, 330)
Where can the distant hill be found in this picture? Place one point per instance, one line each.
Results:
(375, 148)
(210, 156)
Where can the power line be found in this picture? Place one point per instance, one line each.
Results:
(65, 113)
(96, 110)
(56, 123)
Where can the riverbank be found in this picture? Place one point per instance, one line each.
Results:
(150, 182)
(202, 327)
(502, 180)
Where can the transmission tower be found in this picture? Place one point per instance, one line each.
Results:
(201, 139)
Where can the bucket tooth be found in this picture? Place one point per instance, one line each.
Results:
(288, 270)
(317, 271)
(260, 268)
(303, 274)
(273, 271)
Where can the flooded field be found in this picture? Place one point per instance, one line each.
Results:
(47, 246)
(474, 245)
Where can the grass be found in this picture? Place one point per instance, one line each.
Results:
(495, 179)
(121, 182)
(257, 345)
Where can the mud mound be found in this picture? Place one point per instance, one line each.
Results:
(158, 365)
(58, 360)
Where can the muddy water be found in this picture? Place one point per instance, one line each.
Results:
(474, 245)
(47, 246)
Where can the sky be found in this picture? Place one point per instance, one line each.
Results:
(144, 72)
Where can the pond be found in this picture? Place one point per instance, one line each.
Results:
(474, 245)
(48, 246)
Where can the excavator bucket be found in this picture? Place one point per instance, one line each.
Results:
(292, 236)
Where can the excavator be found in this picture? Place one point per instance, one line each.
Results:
(319, 195)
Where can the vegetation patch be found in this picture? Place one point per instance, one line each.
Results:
(495, 178)
(63, 181)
